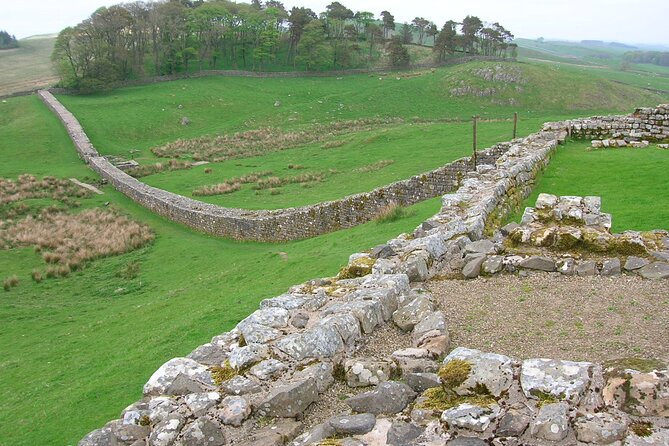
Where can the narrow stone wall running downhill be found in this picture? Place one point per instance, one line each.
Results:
(270, 226)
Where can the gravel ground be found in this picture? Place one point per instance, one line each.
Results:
(552, 316)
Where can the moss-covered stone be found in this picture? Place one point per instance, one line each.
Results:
(440, 399)
(454, 373)
(638, 364)
(642, 429)
(357, 268)
(220, 374)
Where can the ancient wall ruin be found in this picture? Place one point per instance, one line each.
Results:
(268, 226)
(284, 357)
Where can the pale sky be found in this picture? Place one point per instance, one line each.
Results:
(629, 21)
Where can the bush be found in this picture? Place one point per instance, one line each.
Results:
(10, 283)
(391, 213)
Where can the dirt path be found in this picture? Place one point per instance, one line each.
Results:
(87, 186)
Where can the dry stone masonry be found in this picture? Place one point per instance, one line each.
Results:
(569, 235)
(254, 385)
(268, 226)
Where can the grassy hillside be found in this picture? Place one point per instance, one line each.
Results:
(27, 67)
(431, 112)
(79, 349)
(601, 61)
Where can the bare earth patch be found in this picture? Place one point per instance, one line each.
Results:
(552, 316)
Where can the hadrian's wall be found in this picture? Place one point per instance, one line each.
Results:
(279, 225)
(251, 386)
(645, 124)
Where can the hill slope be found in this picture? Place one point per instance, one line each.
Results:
(27, 67)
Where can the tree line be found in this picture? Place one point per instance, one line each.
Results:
(7, 41)
(134, 40)
(660, 58)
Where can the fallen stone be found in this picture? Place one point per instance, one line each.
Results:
(481, 247)
(352, 424)
(299, 319)
(508, 229)
(321, 341)
(546, 201)
(240, 385)
(208, 354)
(661, 256)
(601, 428)
(436, 345)
(658, 437)
(420, 382)
(435, 321)
(234, 410)
(402, 433)
(655, 271)
(587, 268)
(470, 417)
(200, 403)
(611, 267)
(639, 394)
(415, 311)
(514, 422)
(414, 360)
(160, 408)
(382, 252)
(388, 398)
(552, 422)
(321, 373)
(416, 268)
(368, 313)
(289, 400)
(202, 432)
(538, 263)
(493, 265)
(566, 267)
(179, 376)
(634, 263)
(242, 357)
(491, 370)
(267, 369)
(565, 380)
(278, 434)
(364, 372)
(473, 268)
(166, 432)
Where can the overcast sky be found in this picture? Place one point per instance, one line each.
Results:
(630, 21)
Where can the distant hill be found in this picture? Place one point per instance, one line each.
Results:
(29, 66)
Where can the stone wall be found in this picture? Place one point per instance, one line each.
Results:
(278, 225)
(645, 124)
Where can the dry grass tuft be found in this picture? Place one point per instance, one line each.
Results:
(150, 169)
(10, 283)
(375, 166)
(68, 241)
(28, 187)
(261, 141)
(391, 213)
(216, 189)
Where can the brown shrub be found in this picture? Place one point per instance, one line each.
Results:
(261, 141)
(10, 283)
(69, 241)
(28, 187)
(216, 189)
(150, 169)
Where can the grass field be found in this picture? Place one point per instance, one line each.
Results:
(79, 349)
(632, 183)
(27, 67)
(131, 121)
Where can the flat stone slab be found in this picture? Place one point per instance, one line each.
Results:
(655, 271)
(491, 370)
(564, 380)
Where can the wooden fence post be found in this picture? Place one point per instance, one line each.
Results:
(474, 121)
(515, 124)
